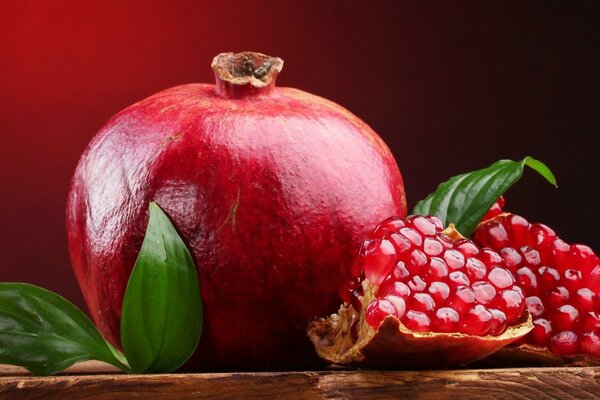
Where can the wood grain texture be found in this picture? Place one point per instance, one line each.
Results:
(522, 383)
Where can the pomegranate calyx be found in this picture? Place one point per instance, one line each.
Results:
(245, 74)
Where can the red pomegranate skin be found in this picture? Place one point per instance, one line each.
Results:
(272, 189)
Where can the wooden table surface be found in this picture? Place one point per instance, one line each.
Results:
(93, 380)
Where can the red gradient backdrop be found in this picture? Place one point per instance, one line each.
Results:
(450, 87)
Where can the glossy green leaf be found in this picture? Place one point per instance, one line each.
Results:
(464, 199)
(45, 333)
(162, 311)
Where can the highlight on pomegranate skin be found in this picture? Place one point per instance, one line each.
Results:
(432, 283)
(561, 282)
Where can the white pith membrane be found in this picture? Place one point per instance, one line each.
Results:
(393, 345)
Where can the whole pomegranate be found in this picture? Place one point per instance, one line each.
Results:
(272, 189)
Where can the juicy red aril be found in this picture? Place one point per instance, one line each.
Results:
(437, 268)
(476, 269)
(540, 236)
(557, 297)
(572, 279)
(423, 225)
(391, 287)
(439, 292)
(498, 323)
(511, 258)
(432, 247)
(377, 310)
(417, 321)
(590, 343)
(435, 283)
(540, 334)
(422, 302)
(379, 260)
(454, 259)
(564, 318)
(445, 320)
(413, 236)
(478, 321)
(535, 306)
(585, 300)
(561, 283)
(467, 247)
(500, 278)
(564, 343)
(511, 302)
(391, 224)
(484, 292)
(497, 238)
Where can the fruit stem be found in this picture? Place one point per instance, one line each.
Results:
(246, 74)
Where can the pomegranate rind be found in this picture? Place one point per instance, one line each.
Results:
(392, 345)
(534, 356)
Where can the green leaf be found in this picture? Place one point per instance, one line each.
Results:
(162, 311)
(45, 333)
(464, 199)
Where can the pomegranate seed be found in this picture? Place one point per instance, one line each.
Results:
(564, 318)
(527, 279)
(478, 321)
(466, 247)
(476, 269)
(531, 256)
(417, 284)
(423, 225)
(511, 257)
(534, 306)
(454, 259)
(585, 300)
(540, 236)
(379, 260)
(377, 310)
(422, 302)
(548, 277)
(432, 247)
(511, 303)
(445, 240)
(346, 290)
(590, 343)
(445, 320)
(490, 257)
(400, 271)
(417, 260)
(557, 254)
(557, 297)
(395, 288)
(398, 303)
(463, 299)
(401, 244)
(392, 224)
(437, 269)
(436, 221)
(417, 321)
(500, 278)
(484, 292)
(458, 278)
(494, 211)
(590, 321)
(497, 238)
(517, 227)
(412, 235)
(498, 323)
(583, 257)
(439, 292)
(573, 279)
(540, 334)
(564, 343)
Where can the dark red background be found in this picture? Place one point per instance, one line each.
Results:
(450, 87)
